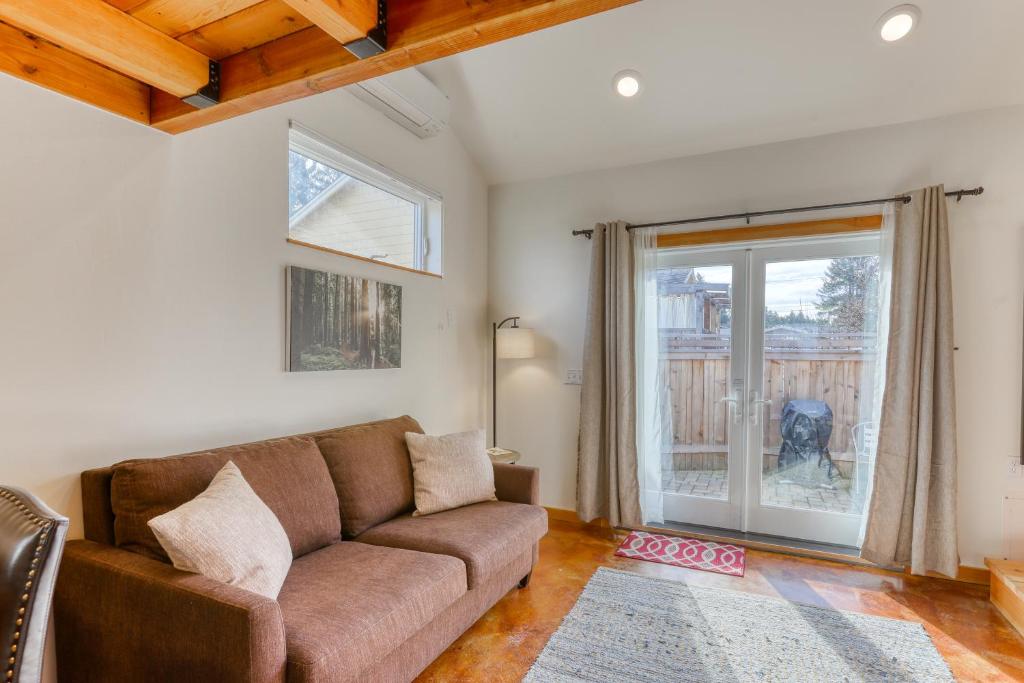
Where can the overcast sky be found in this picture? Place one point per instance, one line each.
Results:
(790, 284)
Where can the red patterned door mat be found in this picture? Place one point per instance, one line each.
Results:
(684, 552)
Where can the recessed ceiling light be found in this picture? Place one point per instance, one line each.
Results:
(626, 83)
(898, 22)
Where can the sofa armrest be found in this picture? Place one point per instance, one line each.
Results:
(517, 484)
(121, 616)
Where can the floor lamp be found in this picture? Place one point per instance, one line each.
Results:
(506, 342)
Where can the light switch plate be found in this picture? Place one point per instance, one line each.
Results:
(1013, 466)
(574, 377)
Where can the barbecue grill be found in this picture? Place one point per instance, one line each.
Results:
(806, 430)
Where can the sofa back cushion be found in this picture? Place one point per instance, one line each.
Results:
(369, 464)
(288, 474)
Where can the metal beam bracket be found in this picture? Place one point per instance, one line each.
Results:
(209, 94)
(376, 41)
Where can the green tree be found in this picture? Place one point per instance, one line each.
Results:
(774, 318)
(307, 179)
(849, 290)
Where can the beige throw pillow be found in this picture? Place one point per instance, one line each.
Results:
(450, 471)
(229, 534)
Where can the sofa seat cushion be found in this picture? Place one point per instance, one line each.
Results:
(369, 464)
(348, 605)
(289, 475)
(486, 536)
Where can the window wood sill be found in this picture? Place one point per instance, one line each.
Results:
(363, 258)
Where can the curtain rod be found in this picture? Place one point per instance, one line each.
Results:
(959, 194)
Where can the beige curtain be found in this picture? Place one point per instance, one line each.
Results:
(606, 482)
(912, 513)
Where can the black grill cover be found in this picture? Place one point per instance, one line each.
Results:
(806, 429)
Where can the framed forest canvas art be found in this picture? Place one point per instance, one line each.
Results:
(339, 322)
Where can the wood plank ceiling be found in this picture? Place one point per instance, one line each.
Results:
(143, 58)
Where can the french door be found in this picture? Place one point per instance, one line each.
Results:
(768, 369)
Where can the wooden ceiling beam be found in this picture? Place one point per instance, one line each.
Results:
(176, 17)
(310, 61)
(104, 34)
(39, 61)
(245, 30)
(277, 72)
(125, 5)
(343, 20)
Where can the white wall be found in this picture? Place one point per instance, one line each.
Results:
(142, 288)
(538, 271)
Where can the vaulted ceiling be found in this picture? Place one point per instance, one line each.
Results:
(180, 64)
(722, 74)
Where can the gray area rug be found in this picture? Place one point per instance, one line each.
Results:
(627, 627)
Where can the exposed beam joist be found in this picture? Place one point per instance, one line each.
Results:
(310, 61)
(104, 34)
(125, 5)
(344, 20)
(245, 30)
(280, 71)
(175, 17)
(38, 61)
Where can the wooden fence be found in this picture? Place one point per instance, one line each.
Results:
(695, 371)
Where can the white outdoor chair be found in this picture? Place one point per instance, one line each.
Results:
(865, 443)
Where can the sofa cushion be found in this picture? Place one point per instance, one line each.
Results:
(289, 475)
(486, 536)
(349, 605)
(228, 534)
(450, 471)
(369, 464)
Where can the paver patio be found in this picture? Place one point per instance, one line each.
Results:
(777, 491)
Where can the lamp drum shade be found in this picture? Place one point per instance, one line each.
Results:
(515, 342)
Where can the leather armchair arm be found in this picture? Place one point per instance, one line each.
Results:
(517, 484)
(121, 616)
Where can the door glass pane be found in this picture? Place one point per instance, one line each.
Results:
(820, 344)
(695, 349)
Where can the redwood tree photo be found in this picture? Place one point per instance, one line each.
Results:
(339, 322)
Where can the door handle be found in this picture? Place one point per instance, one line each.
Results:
(757, 405)
(732, 403)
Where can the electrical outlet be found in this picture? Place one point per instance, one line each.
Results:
(574, 377)
(1013, 466)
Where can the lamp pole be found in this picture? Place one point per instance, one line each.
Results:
(494, 375)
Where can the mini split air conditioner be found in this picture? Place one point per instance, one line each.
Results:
(409, 99)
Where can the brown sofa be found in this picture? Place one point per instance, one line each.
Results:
(373, 594)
